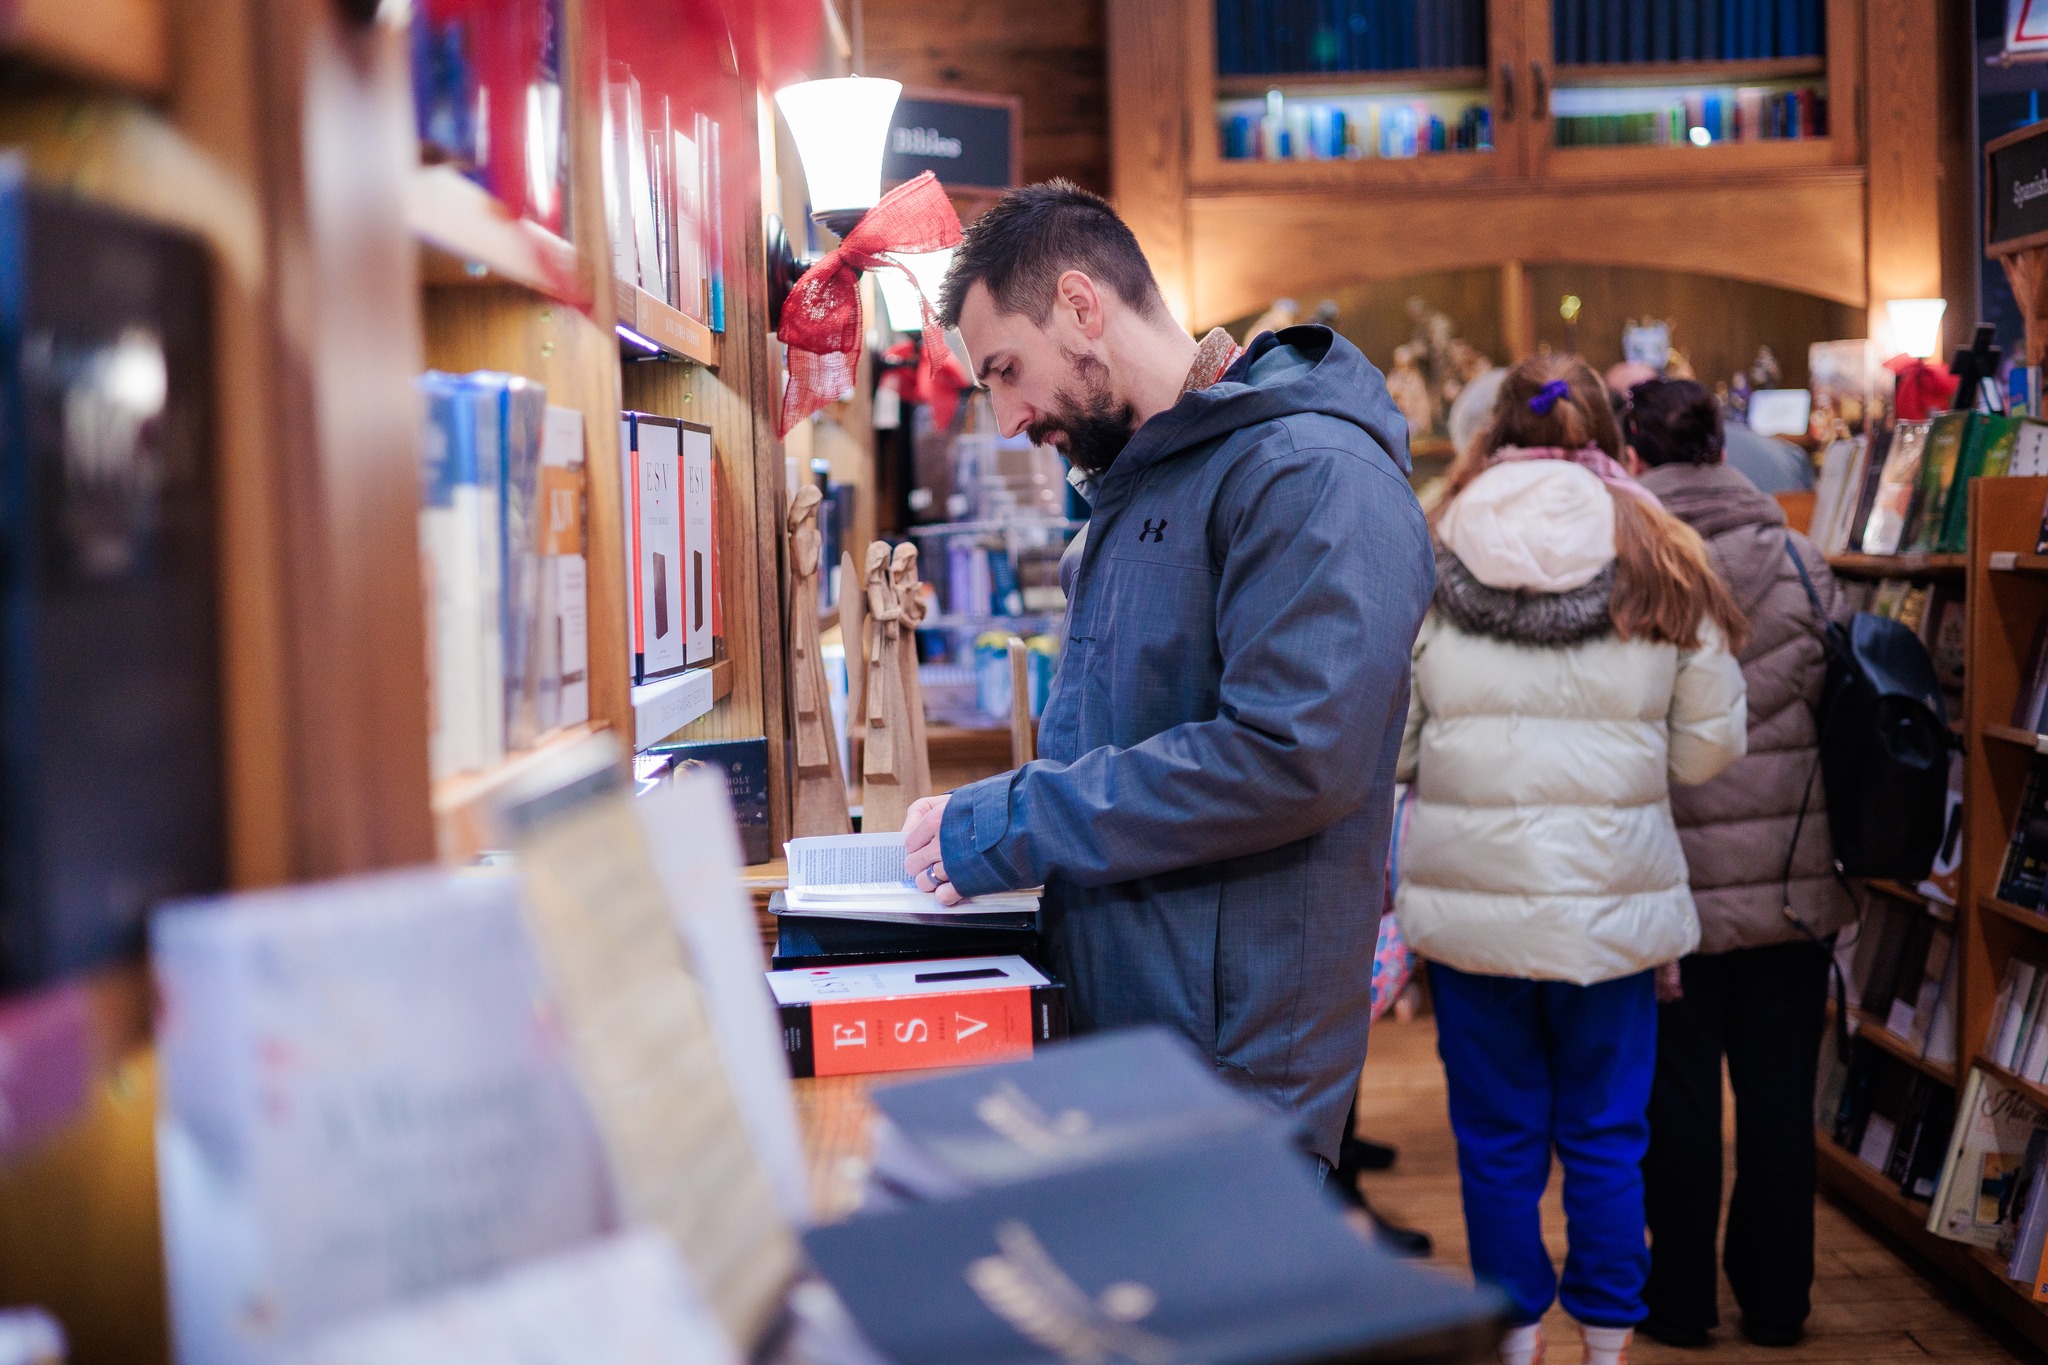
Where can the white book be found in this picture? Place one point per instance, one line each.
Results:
(618, 180)
(689, 238)
(572, 622)
(1940, 1044)
(660, 535)
(562, 693)
(626, 1300)
(1843, 526)
(831, 872)
(640, 192)
(2030, 450)
(2034, 1056)
(2007, 1040)
(366, 1098)
(697, 587)
(1827, 498)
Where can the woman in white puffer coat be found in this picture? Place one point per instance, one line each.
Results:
(1576, 662)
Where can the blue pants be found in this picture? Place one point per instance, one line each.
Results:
(1533, 1065)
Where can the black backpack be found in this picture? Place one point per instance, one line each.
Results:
(1884, 745)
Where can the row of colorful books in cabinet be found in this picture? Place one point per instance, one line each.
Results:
(1329, 130)
(1700, 118)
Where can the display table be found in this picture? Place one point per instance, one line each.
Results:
(833, 1115)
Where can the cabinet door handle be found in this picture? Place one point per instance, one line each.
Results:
(1539, 92)
(1507, 92)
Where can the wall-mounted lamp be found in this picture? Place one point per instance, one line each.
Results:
(1916, 325)
(841, 128)
(906, 310)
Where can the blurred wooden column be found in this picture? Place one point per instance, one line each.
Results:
(1903, 113)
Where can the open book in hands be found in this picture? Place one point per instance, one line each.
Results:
(860, 876)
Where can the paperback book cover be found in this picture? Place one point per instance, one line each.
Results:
(659, 531)
(1940, 464)
(1994, 1123)
(1897, 483)
(2025, 874)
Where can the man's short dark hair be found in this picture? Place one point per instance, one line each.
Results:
(1021, 247)
(1673, 421)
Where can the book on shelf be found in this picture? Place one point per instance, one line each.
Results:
(913, 1016)
(742, 764)
(488, 100)
(324, 1169)
(2030, 448)
(663, 197)
(1987, 454)
(860, 876)
(2009, 1010)
(624, 1300)
(561, 659)
(1940, 463)
(1101, 1098)
(2033, 688)
(1218, 1250)
(111, 696)
(1895, 497)
(2026, 1222)
(696, 586)
(1994, 1123)
(1838, 465)
(2022, 878)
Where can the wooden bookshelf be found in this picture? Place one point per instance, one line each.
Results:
(1899, 566)
(1870, 1026)
(1756, 72)
(2018, 561)
(2012, 734)
(678, 335)
(2013, 914)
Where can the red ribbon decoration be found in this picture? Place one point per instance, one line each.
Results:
(821, 323)
(1924, 387)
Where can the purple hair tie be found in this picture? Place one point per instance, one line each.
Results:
(1547, 396)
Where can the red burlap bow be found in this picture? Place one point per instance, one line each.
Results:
(821, 323)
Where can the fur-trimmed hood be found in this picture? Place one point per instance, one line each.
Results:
(1549, 619)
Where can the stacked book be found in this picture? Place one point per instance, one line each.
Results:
(860, 876)
(1907, 489)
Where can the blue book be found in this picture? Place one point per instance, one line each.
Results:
(1790, 42)
(1224, 1252)
(1731, 28)
(1639, 30)
(1564, 31)
(1756, 35)
(1424, 18)
(1226, 37)
(1686, 37)
(1357, 45)
(1813, 27)
(1614, 38)
(1379, 40)
(1662, 20)
(1101, 1098)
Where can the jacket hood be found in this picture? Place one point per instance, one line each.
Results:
(1747, 527)
(1544, 619)
(1543, 526)
(1307, 369)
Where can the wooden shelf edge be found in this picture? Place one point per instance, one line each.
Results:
(461, 804)
(2012, 734)
(1906, 1220)
(679, 335)
(1899, 566)
(450, 214)
(1746, 72)
(666, 705)
(1901, 891)
(2015, 561)
(2036, 920)
(1432, 78)
(1871, 1027)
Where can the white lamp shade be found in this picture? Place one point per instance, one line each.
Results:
(1916, 325)
(900, 298)
(841, 127)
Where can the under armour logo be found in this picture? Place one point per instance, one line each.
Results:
(1155, 531)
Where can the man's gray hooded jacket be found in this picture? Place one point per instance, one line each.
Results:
(1211, 805)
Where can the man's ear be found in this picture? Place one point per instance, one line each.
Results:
(1080, 303)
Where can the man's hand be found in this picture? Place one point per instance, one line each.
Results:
(923, 862)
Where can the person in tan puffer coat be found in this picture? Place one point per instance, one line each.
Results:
(1574, 664)
(1755, 991)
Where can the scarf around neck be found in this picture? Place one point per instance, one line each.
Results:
(1602, 465)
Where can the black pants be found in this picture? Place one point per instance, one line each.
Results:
(1765, 1008)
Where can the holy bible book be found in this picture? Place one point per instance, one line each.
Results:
(1223, 1252)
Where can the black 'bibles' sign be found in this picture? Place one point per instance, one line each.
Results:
(969, 141)
(2016, 191)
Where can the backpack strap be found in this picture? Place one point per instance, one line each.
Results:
(1798, 826)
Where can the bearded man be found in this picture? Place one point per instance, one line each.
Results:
(1210, 810)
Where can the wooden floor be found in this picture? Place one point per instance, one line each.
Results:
(1868, 1304)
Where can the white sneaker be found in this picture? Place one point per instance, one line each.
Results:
(1523, 1345)
(1607, 1345)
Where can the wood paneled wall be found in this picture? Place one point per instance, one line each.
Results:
(1049, 53)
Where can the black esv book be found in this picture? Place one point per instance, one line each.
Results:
(110, 729)
(1222, 1252)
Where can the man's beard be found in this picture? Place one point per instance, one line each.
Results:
(1095, 425)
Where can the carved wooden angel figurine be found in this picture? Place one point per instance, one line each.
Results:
(886, 767)
(820, 786)
(910, 601)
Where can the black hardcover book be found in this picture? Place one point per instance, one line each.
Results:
(1223, 1252)
(743, 763)
(1930, 1144)
(1788, 41)
(1891, 926)
(818, 942)
(2025, 874)
(1662, 20)
(1912, 1113)
(1080, 1103)
(111, 790)
(1912, 969)
(1685, 35)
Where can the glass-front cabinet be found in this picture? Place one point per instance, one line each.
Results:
(1327, 93)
